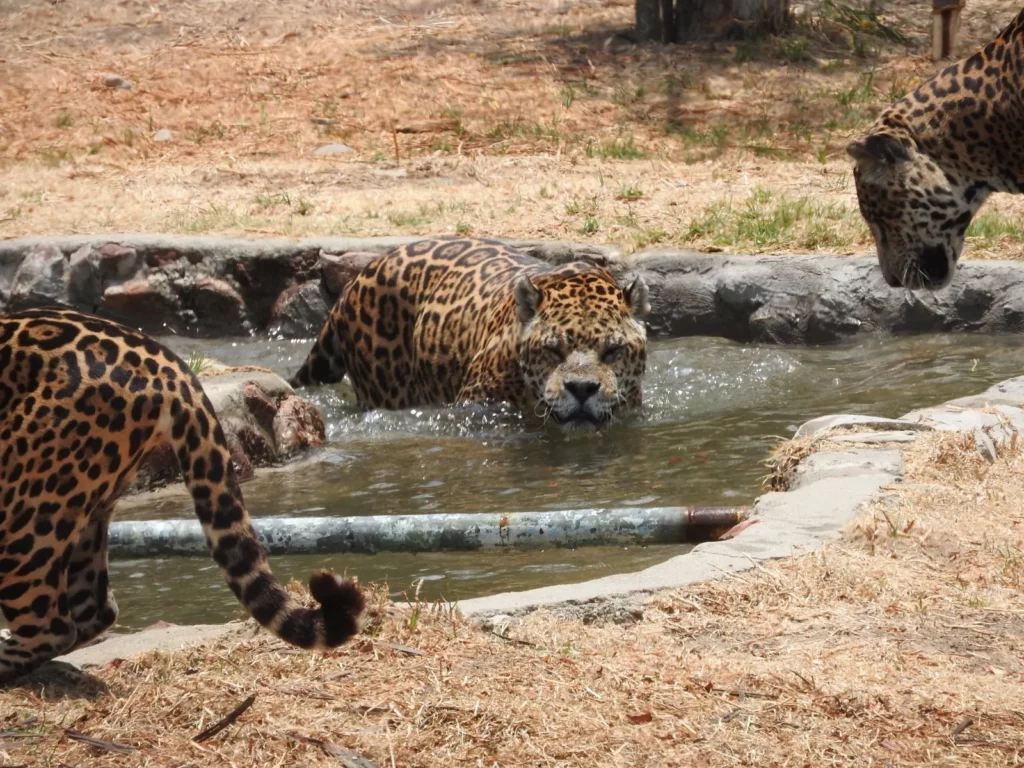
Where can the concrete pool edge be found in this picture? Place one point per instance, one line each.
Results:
(827, 490)
(783, 524)
(285, 286)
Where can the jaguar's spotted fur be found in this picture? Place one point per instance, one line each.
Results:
(450, 320)
(934, 156)
(82, 401)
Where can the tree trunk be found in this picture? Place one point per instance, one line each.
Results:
(648, 20)
(688, 20)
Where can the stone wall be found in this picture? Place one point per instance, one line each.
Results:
(216, 286)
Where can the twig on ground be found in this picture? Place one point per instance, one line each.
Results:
(213, 730)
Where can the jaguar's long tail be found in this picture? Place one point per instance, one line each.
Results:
(205, 461)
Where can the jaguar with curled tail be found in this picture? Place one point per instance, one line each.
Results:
(82, 402)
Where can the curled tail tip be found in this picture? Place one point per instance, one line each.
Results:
(341, 603)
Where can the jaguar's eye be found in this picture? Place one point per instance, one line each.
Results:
(612, 354)
(555, 351)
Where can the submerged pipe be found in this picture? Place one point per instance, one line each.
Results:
(440, 532)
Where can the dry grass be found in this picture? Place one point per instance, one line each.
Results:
(786, 457)
(515, 118)
(899, 645)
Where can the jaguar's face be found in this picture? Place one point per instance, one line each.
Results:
(583, 348)
(917, 212)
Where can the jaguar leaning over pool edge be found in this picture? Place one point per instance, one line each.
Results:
(82, 402)
(458, 320)
(932, 159)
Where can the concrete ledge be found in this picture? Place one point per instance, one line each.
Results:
(207, 286)
(160, 637)
(785, 524)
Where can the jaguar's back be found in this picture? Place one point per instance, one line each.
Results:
(82, 401)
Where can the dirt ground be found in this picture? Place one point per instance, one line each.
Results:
(899, 645)
(515, 118)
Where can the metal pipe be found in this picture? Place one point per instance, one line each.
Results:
(440, 532)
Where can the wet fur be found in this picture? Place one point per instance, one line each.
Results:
(457, 320)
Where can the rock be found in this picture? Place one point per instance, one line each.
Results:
(783, 299)
(159, 468)
(984, 446)
(391, 173)
(499, 624)
(717, 87)
(160, 258)
(264, 424)
(780, 299)
(297, 426)
(325, 121)
(823, 424)
(91, 269)
(560, 252)
(247, 400)
(614, 610)
(244, 469)
(339, 269)
(39, 279)
(118, 260)
(257, 270)
(331, 149)
(163, 135)
(217, 302)
(300, 310)
(262, 408)
(116, 81)
(146, 302)
(84, 281)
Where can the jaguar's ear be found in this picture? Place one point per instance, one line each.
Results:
(639, 298)
(878, 148)
(528, 298)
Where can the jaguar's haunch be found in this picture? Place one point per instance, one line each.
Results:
(82, 401)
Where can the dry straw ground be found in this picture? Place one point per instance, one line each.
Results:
(533, 118)
(899, 645)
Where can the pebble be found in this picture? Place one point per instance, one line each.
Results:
(984, 446)
(116, 81)
(163, 135)
(331, 149)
